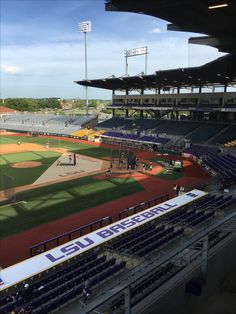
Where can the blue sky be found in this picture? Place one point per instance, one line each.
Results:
(42, 52)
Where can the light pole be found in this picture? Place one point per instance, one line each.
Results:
(85, 27)
(133, 53)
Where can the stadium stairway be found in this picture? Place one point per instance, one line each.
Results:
(219, 133)
(180, 139)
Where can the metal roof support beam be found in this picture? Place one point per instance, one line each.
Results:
(127, 301)
(204, 258)
(225, 87)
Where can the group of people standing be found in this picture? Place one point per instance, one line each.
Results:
(130, 167)
(147, 167)
(178, 189)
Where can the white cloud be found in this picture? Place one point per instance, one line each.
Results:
(9, 69)
(155, 30)
(50, 69)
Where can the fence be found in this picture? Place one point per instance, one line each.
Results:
(68, 236)
(78, 232)
(144, 205)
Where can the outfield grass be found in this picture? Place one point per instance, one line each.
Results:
(60, 200)
(76, 147)
(23, 176)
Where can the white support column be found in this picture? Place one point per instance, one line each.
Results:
(204, 263)
(127, 301)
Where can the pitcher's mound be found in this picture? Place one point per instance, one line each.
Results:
(26, 164)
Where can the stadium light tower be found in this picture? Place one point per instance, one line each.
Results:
(133, 53)
(85, 27)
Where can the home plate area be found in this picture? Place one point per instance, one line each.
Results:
(64, 167)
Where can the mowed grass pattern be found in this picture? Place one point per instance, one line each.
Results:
(75, 147)
(60, 200)
(23, 176)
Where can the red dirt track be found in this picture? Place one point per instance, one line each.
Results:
(15, 248)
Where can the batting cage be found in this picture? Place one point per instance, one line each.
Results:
(123, 158)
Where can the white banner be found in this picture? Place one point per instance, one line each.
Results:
(37, 264)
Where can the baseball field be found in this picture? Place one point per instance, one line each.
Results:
(51, 185)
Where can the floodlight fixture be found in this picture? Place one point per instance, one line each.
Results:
(217, 6)
(85, 27)
(136, 51)
(133, 53)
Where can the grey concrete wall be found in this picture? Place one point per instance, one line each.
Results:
(177, 301)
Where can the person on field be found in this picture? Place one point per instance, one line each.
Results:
(144, 167)
(176, 188)
(109, 172)
(129, 168)
(150, 166)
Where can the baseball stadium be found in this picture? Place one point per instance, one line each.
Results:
(134, 214)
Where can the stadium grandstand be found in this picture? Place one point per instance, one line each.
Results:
(4, 111)
(206, 132)
(47, 124)
(171, 257)
(121, 264)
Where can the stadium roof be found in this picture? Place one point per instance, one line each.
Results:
(218, 72)
(4, 110)
(197, 16)
(218, 25)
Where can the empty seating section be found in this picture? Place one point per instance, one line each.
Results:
(121, 135)
(115, 122)
(143, 124)
(199, 132)
(206, 132)
(82, 133)
(153, 236)
(199, 150)
(88, 134)
(145, 240)
(154, 125)
(71, 125)
(227, 135)
(230, 144)
(137, 138)
(142, 289)
(67, 283)
(95, 134)
(177, 127)
(44, 123)
(201, 211)
(152, 139)
(224, 164)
